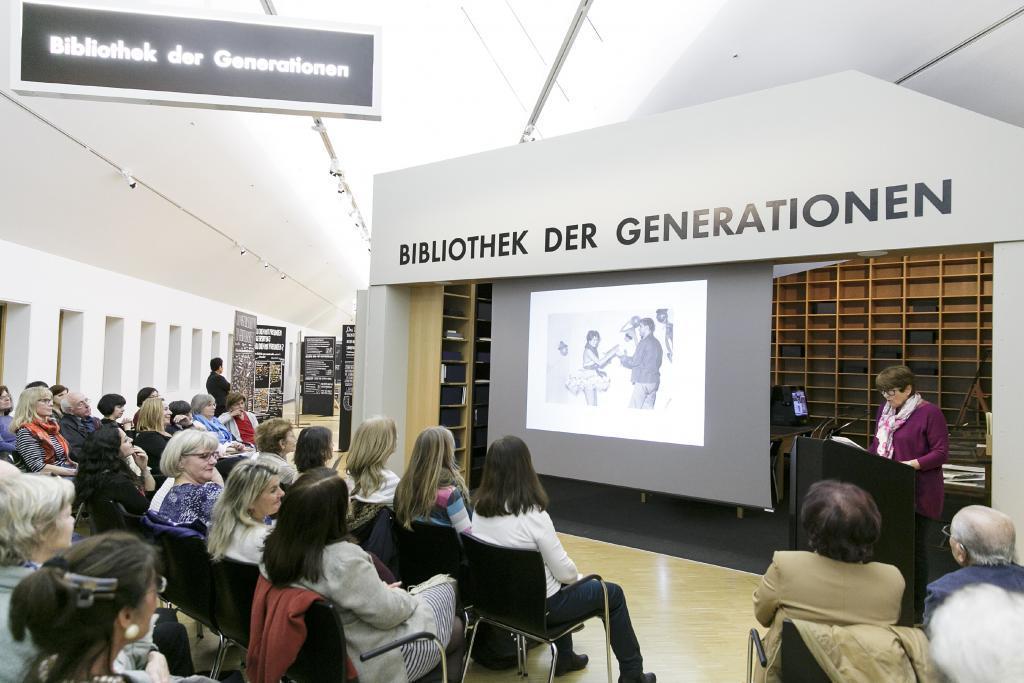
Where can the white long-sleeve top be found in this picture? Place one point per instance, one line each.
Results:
(531, 531)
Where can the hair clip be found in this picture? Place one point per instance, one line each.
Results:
(88, 588)
(57, 562)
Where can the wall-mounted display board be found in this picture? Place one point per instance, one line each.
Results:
(243, 355)
(835, 328)
(318, 375)
(246, 62)
(347, 346)
(268, 391)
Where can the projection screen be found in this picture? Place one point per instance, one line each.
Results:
(656, 380)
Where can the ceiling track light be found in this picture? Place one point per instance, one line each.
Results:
(266, 265)
(283, 276)
(241, 250)
(128, 178)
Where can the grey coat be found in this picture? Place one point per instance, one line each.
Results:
(371, 613)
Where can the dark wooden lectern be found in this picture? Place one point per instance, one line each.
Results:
(890, 483)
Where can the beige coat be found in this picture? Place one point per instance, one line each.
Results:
(865, 653)
(807, 586)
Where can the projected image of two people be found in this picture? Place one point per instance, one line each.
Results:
(614, 358)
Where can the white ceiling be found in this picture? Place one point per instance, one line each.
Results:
(459, 78)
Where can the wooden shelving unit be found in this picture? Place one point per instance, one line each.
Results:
(835, 328)
(445, 336)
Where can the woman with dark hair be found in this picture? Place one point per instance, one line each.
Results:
(240, 422)
(835, 583)
(181, 416)
(8, 444)
(104, 472)
(59, 392)
(590, 378)
(111, 407)
(140, 398)
(89, 613)
(314, 447)
(308, 548)
(511, 511)
(913, 431)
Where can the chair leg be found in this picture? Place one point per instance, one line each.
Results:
(554, 658)
(218, 661)
(472, 639)
(525, 655)
(607, 632)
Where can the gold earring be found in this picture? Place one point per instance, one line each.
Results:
(132, 632)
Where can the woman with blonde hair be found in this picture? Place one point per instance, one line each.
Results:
(432, 489)
(371, 486)
(152, 435)
(42, 448)
(241, 516)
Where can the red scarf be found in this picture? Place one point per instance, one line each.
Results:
(43, 431)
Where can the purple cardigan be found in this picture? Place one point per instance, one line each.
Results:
(925, 436)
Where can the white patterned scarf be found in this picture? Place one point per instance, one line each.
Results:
(891, 420)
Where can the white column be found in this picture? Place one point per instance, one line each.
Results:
(1007, 380)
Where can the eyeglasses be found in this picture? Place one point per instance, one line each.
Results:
(212, 455)
(889, 393)
(46, 401)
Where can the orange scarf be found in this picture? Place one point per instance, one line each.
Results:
(43, 431)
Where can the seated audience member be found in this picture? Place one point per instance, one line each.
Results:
(37, 383)
(8, 444)
(836, 583)
(59, 392)
(371, 485)
(181, 416)
(40, 443)
(37, 524)
(242, 515)
(104, 473)
(982, 541)
(77, 422)
(276, 438)
(140, 398)
(111, 407)
(511, 511)
(202, 414)
(313, 449)
(153, 433)
(306, 548)
(975, 635)
(217, 386)
(432, 489)
(240, 422)
(89, 612)
(190, 464)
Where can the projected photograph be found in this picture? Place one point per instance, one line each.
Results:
(625, 361)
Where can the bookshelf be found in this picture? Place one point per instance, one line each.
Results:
(447, 385)
(835, 328)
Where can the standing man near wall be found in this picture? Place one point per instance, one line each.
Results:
(217, 386)
(646, 365)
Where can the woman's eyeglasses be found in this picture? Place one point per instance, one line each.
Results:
(888, 393)
(212, 455)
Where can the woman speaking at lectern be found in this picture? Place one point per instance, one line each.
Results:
(913, 431)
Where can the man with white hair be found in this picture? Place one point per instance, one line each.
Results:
(982, 541)
(77, 422)
(975, 635)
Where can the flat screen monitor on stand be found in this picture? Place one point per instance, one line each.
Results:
(789, 405)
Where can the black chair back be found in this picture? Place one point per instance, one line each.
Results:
(798, 664)
(105, 515)
(323, 656)
(189, 574)
(507, 585)
(234, 584)
(427, 550)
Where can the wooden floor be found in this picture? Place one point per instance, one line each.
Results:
(691, 619)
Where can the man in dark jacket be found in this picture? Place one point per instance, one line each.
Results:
(216, 385)
(646, 365)
(77, 422)
(982, 541)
